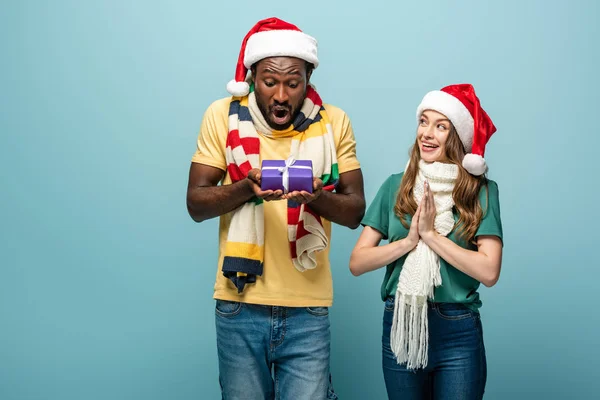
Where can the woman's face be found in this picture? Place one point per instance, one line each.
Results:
(432, 135)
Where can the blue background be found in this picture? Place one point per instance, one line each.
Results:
(105, 281)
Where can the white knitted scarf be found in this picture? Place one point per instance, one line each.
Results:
(421, 270)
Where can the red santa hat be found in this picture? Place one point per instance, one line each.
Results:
(474, 127)
(271, 37)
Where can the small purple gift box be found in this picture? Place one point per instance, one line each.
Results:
(287, 175)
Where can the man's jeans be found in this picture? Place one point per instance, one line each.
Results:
(271, 352)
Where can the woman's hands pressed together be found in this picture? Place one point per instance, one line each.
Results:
(427, 214)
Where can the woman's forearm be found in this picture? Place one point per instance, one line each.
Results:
(482, 264)
(366, 259)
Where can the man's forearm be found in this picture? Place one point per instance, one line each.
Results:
(205, 202)
(343, 209)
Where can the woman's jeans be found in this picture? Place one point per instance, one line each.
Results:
(456, 367)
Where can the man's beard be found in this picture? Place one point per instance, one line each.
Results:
(268, 109)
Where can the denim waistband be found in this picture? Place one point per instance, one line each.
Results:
(438, 305)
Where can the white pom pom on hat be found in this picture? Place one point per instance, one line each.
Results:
(460, 105)
(474, 164)
(271, 37)
(238, 89)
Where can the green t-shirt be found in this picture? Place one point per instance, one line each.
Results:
(456, 287)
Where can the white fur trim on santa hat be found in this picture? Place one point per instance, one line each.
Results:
(277, 43)
(454, 110)
(474, 164)
(238, 89)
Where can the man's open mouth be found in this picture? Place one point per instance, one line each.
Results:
(280, 115)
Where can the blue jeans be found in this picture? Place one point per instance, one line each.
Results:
(271, 352)
(457, 366)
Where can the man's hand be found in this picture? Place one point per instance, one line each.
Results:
(254, 176)
(303, 197)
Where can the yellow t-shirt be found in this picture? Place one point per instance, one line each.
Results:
(281, 284)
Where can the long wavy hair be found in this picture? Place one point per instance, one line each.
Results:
(465, 193)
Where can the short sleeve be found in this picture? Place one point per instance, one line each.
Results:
(344, 139)
(491, 223)
(210, 145)
(377, 215)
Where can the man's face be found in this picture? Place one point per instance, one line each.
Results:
(280, 87)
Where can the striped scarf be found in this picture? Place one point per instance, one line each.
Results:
(312, 139)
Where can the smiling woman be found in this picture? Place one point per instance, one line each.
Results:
(432, 135)
(441, 217)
